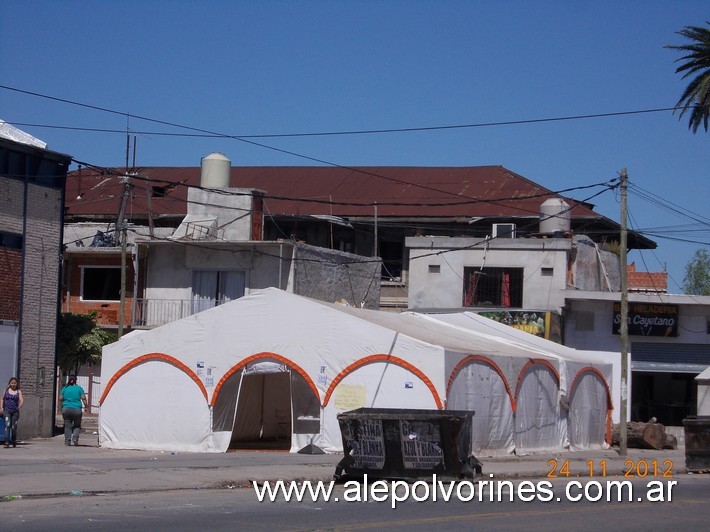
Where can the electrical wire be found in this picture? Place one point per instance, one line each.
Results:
(610, 184)
(321, 133)
(314, 159)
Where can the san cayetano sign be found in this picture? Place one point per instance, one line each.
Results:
(648, 319)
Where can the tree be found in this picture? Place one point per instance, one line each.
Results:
(696, 60)
(80, 341)
(697, 274)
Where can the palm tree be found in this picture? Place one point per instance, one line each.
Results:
(696, 97)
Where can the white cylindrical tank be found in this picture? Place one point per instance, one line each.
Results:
(554, 216)
(215, 171)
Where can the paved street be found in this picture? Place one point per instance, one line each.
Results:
(48, 486)
(46, 467)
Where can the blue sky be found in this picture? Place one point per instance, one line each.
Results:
(277, 67)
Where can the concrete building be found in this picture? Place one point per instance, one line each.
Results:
(454, 273)
(32, 181)
(367, 211)
(571, 286)
(668, 342)
(216, 253)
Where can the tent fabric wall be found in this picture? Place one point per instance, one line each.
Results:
(588, 419)
(539, 425)
(273, 363)
(593, 412)
(479, 386)
(608, 363)
(376, 385)
(176, 409)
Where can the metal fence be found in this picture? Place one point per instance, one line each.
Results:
(154, 312)
(92, 386)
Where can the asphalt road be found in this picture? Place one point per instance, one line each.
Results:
(232, 509)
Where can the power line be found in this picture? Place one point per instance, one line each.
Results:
(320, 133)
(347, 132)
(608, 185)
(242, 139)
(670, 206)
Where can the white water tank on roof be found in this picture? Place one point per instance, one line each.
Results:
(554, 216)
(215, 171)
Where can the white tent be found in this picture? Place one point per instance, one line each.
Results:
(589, 380)
(275, 365)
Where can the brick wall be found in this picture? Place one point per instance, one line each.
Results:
(42, 247)
(10, 276)
(106, 311)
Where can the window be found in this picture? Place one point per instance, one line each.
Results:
(434, 268)
(100, 283)
(503, 230)
(211, 288)
(348, 246)
(547, 272)
(584, 321)
(493, 287)
(10, 240)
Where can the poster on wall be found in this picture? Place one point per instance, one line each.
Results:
(421, 445)
(349, 396)
(648, 319)
(544, 324)
(366, 442)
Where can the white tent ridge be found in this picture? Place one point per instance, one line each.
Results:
(276, 366)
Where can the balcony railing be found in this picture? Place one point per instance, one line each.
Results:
(155, 312)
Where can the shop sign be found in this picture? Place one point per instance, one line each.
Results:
(648, 319)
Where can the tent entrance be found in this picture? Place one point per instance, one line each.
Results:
(263, 414)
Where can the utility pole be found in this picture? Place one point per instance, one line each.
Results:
(624, 325)
(121, 227)
(374, 249)
(122, 304)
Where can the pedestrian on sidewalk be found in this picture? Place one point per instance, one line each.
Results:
(10, 404)
(72, 397)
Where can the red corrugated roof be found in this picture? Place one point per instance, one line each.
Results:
(650, 281)
(460, 191)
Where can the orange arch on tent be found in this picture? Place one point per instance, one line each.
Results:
(257, 356)
(609, 403)
(531, 363)
(479, 358)
(383, 358)
(159, 357)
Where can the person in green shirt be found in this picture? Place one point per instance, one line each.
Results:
(72, 398)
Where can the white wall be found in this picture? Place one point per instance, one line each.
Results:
(445, 289)
(693, 318)
(170, 266)
(233, 210)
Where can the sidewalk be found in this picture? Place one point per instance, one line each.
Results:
(48, 468)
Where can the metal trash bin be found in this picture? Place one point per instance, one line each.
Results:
(404, 443)
(697, 443)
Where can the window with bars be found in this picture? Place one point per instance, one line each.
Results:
(493, 287)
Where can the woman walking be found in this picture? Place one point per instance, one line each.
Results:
(10, 405)
(72, 397)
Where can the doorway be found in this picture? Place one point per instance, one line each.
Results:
(263, 415)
